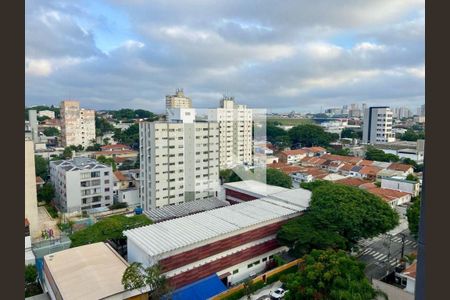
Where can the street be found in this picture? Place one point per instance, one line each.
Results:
(382, 254)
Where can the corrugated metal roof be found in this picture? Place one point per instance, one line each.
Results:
(163, 237)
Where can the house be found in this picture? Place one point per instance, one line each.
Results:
(314, 151)
(351, 181)
(39, 182)
(392, 197)
(354, 171)
(345, 169)
(116, 147)
(406, 169)
(92, 271)
(126, 188)
(348, 159)
(408, 278)
(386, 173)
(334, 166)
(285, 168)
(401, 184)
(369, 172)
(292, 156)
(312, 161)
(308, 175)
(333, 177)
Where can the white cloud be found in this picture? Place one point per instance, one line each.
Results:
(38, 67)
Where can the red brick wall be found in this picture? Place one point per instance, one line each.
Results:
(239, 195)
(220, 264)
(202, 252)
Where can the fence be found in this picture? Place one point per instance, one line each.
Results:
(269, 277)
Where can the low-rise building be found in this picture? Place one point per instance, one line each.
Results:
(401, 184)
(292, 156)
(392, 197)
(81, 183)
(406, 169)
(408, 278)
(232, 242)
(88, 272)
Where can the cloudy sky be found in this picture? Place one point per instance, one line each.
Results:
(280, 55)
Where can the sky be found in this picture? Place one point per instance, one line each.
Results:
(288, 55)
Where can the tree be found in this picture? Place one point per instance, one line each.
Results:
(225, 175)
(46, 193)
(51, 131)
(30, 274)
(328, 274)
(342, 151)
(107, 228)
(67, 153)
(411, 135)
(107, 161)
(129, 136)
(106, 141)
(41, 166)
(278, 178)
(102, 126)
(308, 135)
(413, 215)
(338, 216)
(42, 119)
(32, 287)
(248, 287)
(145, 114)
(411, 177)
(277, 136)
(351, 133)
(95, 147)
(373, 153)
(138, 277)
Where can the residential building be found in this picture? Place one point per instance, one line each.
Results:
(46, 113)
(406, 169)
(92, 271)
(126, 188)
(392, 197)
(81, 184)
(32, 117)
(179, 100)
(401, 184)
(117, 150)
(315, 151)
(405, 149)
(179, 162)
(378, 125)
(402, 112)
(408, 278)
(235, 138)
(30, 258)
(292, 156)
(77, 124)
(232, 242)
(31, 208)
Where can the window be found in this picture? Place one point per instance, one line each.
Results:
(106, 181)
(236, 271)
(264, 259)
(107, 189)
(249, 266)
(106, 173)
(95, 174)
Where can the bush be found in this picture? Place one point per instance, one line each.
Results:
(118, 205)
(276, 277)
(52, 211)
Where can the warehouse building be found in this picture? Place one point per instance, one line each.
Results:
(232, 242)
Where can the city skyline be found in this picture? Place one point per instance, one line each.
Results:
(109, 55)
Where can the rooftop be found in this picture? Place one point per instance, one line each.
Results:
(79, 163)
(116, 146)
(259, 189)
(352, 181)
(411, 270)
(294, 152)
(399, 167)
(91, 271)
(184, 209)
(385, 194)
(167, 236)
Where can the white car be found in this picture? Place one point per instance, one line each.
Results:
(277, 294)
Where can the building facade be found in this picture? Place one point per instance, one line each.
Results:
(77, 124)
(235, 126)
(378, 125)
(46, 113)
(179, 100)
(81, 184)
(179, 162)
(31, 208)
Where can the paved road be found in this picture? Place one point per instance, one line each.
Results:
(382, 254)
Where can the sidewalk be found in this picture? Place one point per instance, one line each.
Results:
(263, 293)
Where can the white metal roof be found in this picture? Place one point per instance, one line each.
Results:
(254, 187)
(163, 237)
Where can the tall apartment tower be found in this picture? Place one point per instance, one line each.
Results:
(32, 117)
(31, 208)
(378, 125)
(77, 124)
(179, 162)
(235, 127)
(179, 100)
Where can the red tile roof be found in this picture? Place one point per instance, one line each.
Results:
(110, 152)
(116, 146)
(411, 270)
(119, 175)
(346, 167)
(386, 194)
(314, 149)
(352, 181)
(365, 162)
(399, 167)
(293, 152)
(288, 169)
(39, 180)
(369, 170)
(349, 159)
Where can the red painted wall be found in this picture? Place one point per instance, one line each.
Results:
(239, 195)
(205, 251)
(220, 264)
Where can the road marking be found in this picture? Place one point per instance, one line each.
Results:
(382, 257)
(365, 251)
(378, 255)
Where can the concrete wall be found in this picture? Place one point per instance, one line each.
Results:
(31, 210)
(392, 292)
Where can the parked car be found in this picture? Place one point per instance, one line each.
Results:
(278, 293)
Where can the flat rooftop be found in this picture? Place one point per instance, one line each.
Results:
(87, 272)
(257, 188)
(167, 236)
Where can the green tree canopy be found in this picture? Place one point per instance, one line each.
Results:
(277, 136)
(278, 178)
(95, 147)
(46, 193)
(413, 215)
(138, 277)
(51, 131)
(329, 275)
(41, 166)
(373, 153)
(340, 215)
(129, 136)
(107, 161)
(107, 228)
(308, 135)
(412, 135)
(351, 133)
(102, 126)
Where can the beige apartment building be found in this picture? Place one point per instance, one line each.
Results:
(235, 126)
(179, 100)
(77, 124)
(179, 162)
(31, 209)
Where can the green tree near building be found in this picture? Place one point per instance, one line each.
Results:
(308, 135)
(373, 153)
(41, 166)
(278, 178)
(329, 275)
(413, 216)
(107, 161)
(46, 193)
(51, 131)
(338, 217)
(136, 276)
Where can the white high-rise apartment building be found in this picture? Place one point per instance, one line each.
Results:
(179, 161)
(31, 208)
(179, 100)
(81, 183)
(77, 124)
(402, 112)
(378, 125)
(235, 126)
